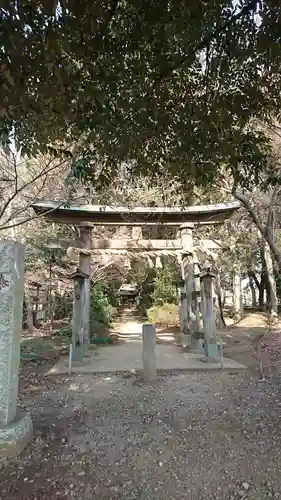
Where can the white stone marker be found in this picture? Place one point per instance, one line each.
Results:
(149, 354)
(15, 429)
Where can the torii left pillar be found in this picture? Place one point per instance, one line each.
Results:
(187, 272)
(85, 266)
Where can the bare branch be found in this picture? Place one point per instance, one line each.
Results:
(28, 219)
(19, 189)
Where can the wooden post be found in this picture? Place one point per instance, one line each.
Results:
(85, 267)
(149, 354)
(209, 322)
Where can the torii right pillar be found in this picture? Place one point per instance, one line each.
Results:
(207, 277)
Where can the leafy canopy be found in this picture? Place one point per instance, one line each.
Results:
(167, 85)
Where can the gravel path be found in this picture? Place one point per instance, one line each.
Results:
(194, 436)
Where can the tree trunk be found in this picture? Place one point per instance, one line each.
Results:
(29, 320)
(267, 231)
(269, 279)
(261, 292)
(253, 290)
(218, 291)
(237, 292)
(29, 315)
(271, 284)
(254, 276)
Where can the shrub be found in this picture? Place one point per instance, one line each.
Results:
(66, 331)
(101, 308)
(166, 315)
(165, 290)
(231, 312)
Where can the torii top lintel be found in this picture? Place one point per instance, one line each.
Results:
(104, 215)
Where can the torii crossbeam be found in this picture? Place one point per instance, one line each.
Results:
(104, 215)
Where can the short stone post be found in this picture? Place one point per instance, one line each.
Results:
(79, 279)
(85, 267)
(209, 320)
(149, 352)
(15, 428)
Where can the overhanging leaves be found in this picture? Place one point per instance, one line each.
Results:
(167, 85)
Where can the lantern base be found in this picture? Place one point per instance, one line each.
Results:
(15, 436)
(211, 350)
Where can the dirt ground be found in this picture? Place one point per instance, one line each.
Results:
(194, 436)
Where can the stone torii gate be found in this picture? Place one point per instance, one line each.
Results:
(184, 247)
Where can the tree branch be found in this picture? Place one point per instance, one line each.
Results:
(205, 42)
(42, 173)
(29, 219)
(110, 14)
(246, 204)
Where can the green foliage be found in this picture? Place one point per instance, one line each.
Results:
(144, 302)
(66, 332)
(165, 289)
(158, 286)
(101, 308)
(231, 312)
(165, 315)
(36, 349)
(168, 87)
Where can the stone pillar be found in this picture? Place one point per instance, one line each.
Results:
(149, 352)
(85, 267)
(209, 320)
(15, 428)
